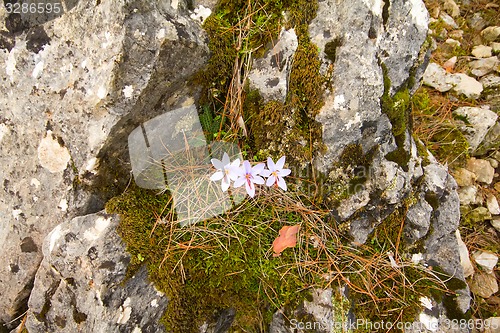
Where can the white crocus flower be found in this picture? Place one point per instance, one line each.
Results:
(276, 173)
(249, 176)
(225, 171)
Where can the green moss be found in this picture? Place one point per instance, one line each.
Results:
(397, 109)
(348, 175)
(331, 49)
(301, 12)
(422, 151)
(400, 155)
(290, 128)
(448, 144)
(229, 264)
(306, 86)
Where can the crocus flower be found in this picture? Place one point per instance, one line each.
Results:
(276, 173)
(249, 176)
(226, 171)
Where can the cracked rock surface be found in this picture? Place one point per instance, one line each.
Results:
(73, 87)
(81, 286)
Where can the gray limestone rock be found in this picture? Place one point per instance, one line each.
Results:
(269, 74)
(436, 77)
(354, 116)
(483, 284)
(482, 169)
(81, 284)
(477, 122)
(69, 100)
(484, 66)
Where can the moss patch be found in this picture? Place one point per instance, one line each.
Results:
(290, 128)
(347, 176)
(224, 263)
(397, 109)
(437, 129)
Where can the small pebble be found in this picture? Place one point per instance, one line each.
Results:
(481, 51)
(456, 34)
(490, 33)
(448, 20)
(482, 169)
(483, 284)
(453, 42)
(495, 222)
(450, 63)
(476, 22)
(486, 260)
(493, 162)
(495, 47)
(492, 204)
(451, 8)
(464, 177)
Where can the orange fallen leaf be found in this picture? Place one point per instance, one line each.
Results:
(287, 238)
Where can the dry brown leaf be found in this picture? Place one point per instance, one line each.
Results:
(287, 238)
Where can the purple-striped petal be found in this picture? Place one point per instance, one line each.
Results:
(250, 189)
(271, 180)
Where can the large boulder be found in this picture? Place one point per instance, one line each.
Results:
(81, 284)
(379, 58)
(73, 87)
